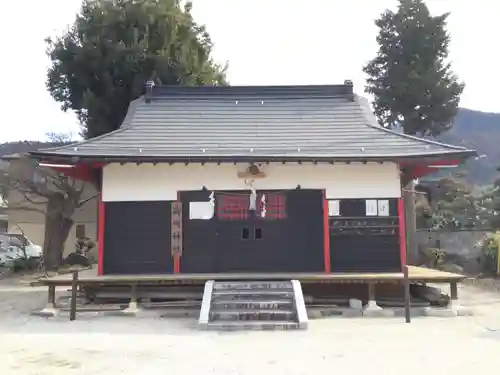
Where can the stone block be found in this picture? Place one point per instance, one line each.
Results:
(441, 312)
(314, 313)
(375, 311)
(320, 312)
(352, 313)
(47, 312)
(414, 311)
(463, 310)
(383, 313)
(132, 310)
(355, 304)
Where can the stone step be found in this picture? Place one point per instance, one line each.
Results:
(250, 314)
(252, 297)
(252, 285)
(252, 325)
(250, 292)
(253, 304)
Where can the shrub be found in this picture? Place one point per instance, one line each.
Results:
(435, 257)
(489, 249)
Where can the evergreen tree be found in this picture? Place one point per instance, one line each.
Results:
(103, 61)
(410, 79)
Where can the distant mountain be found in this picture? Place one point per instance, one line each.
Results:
(479, 131)
(21, 147)
(472, 129)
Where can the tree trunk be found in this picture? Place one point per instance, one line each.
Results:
(57, 228)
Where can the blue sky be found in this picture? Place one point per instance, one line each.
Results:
(264, 41)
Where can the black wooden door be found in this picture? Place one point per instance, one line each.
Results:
(199, 237)
(238, 241)
(250, 240)
(287, 238)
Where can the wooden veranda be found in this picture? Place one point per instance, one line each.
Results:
(415, 274)
(190, 286)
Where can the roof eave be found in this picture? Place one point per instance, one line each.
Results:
(461, 155)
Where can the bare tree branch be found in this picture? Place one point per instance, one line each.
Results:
(52, 184)
(62, 182)
(81, 203)
(26, 208)
(29, 192)
(45, 191)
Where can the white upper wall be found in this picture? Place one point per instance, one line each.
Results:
(148, 182)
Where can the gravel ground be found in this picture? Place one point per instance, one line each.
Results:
(120, 345)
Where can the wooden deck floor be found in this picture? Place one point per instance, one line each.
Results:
(419, 274)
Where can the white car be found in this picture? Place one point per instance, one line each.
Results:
(5, 259)
(12, 246)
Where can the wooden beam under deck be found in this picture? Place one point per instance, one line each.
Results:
(415, 274)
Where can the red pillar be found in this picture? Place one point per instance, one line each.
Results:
(326, 234)
(177, 264)
(100, 235)
(402, 232)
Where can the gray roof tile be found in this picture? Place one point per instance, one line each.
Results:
(324, 122)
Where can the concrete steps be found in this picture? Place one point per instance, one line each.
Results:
(253, 305)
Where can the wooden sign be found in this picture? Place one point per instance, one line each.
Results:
(176, 229)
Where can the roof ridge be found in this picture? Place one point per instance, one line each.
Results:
(172, 90)
(372, 123)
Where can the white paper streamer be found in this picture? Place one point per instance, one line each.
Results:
(253, 195)
(263, 209)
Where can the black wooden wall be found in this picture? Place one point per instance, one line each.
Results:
(360, 243)
(137, 238)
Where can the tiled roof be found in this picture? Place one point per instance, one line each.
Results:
(244, 122)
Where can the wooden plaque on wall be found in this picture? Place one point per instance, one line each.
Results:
(176, 229)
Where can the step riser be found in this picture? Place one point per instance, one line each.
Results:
(251, 286)
(251, 298)
(243, 326)
(252, 317)
(252, 294)
(252, 305)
